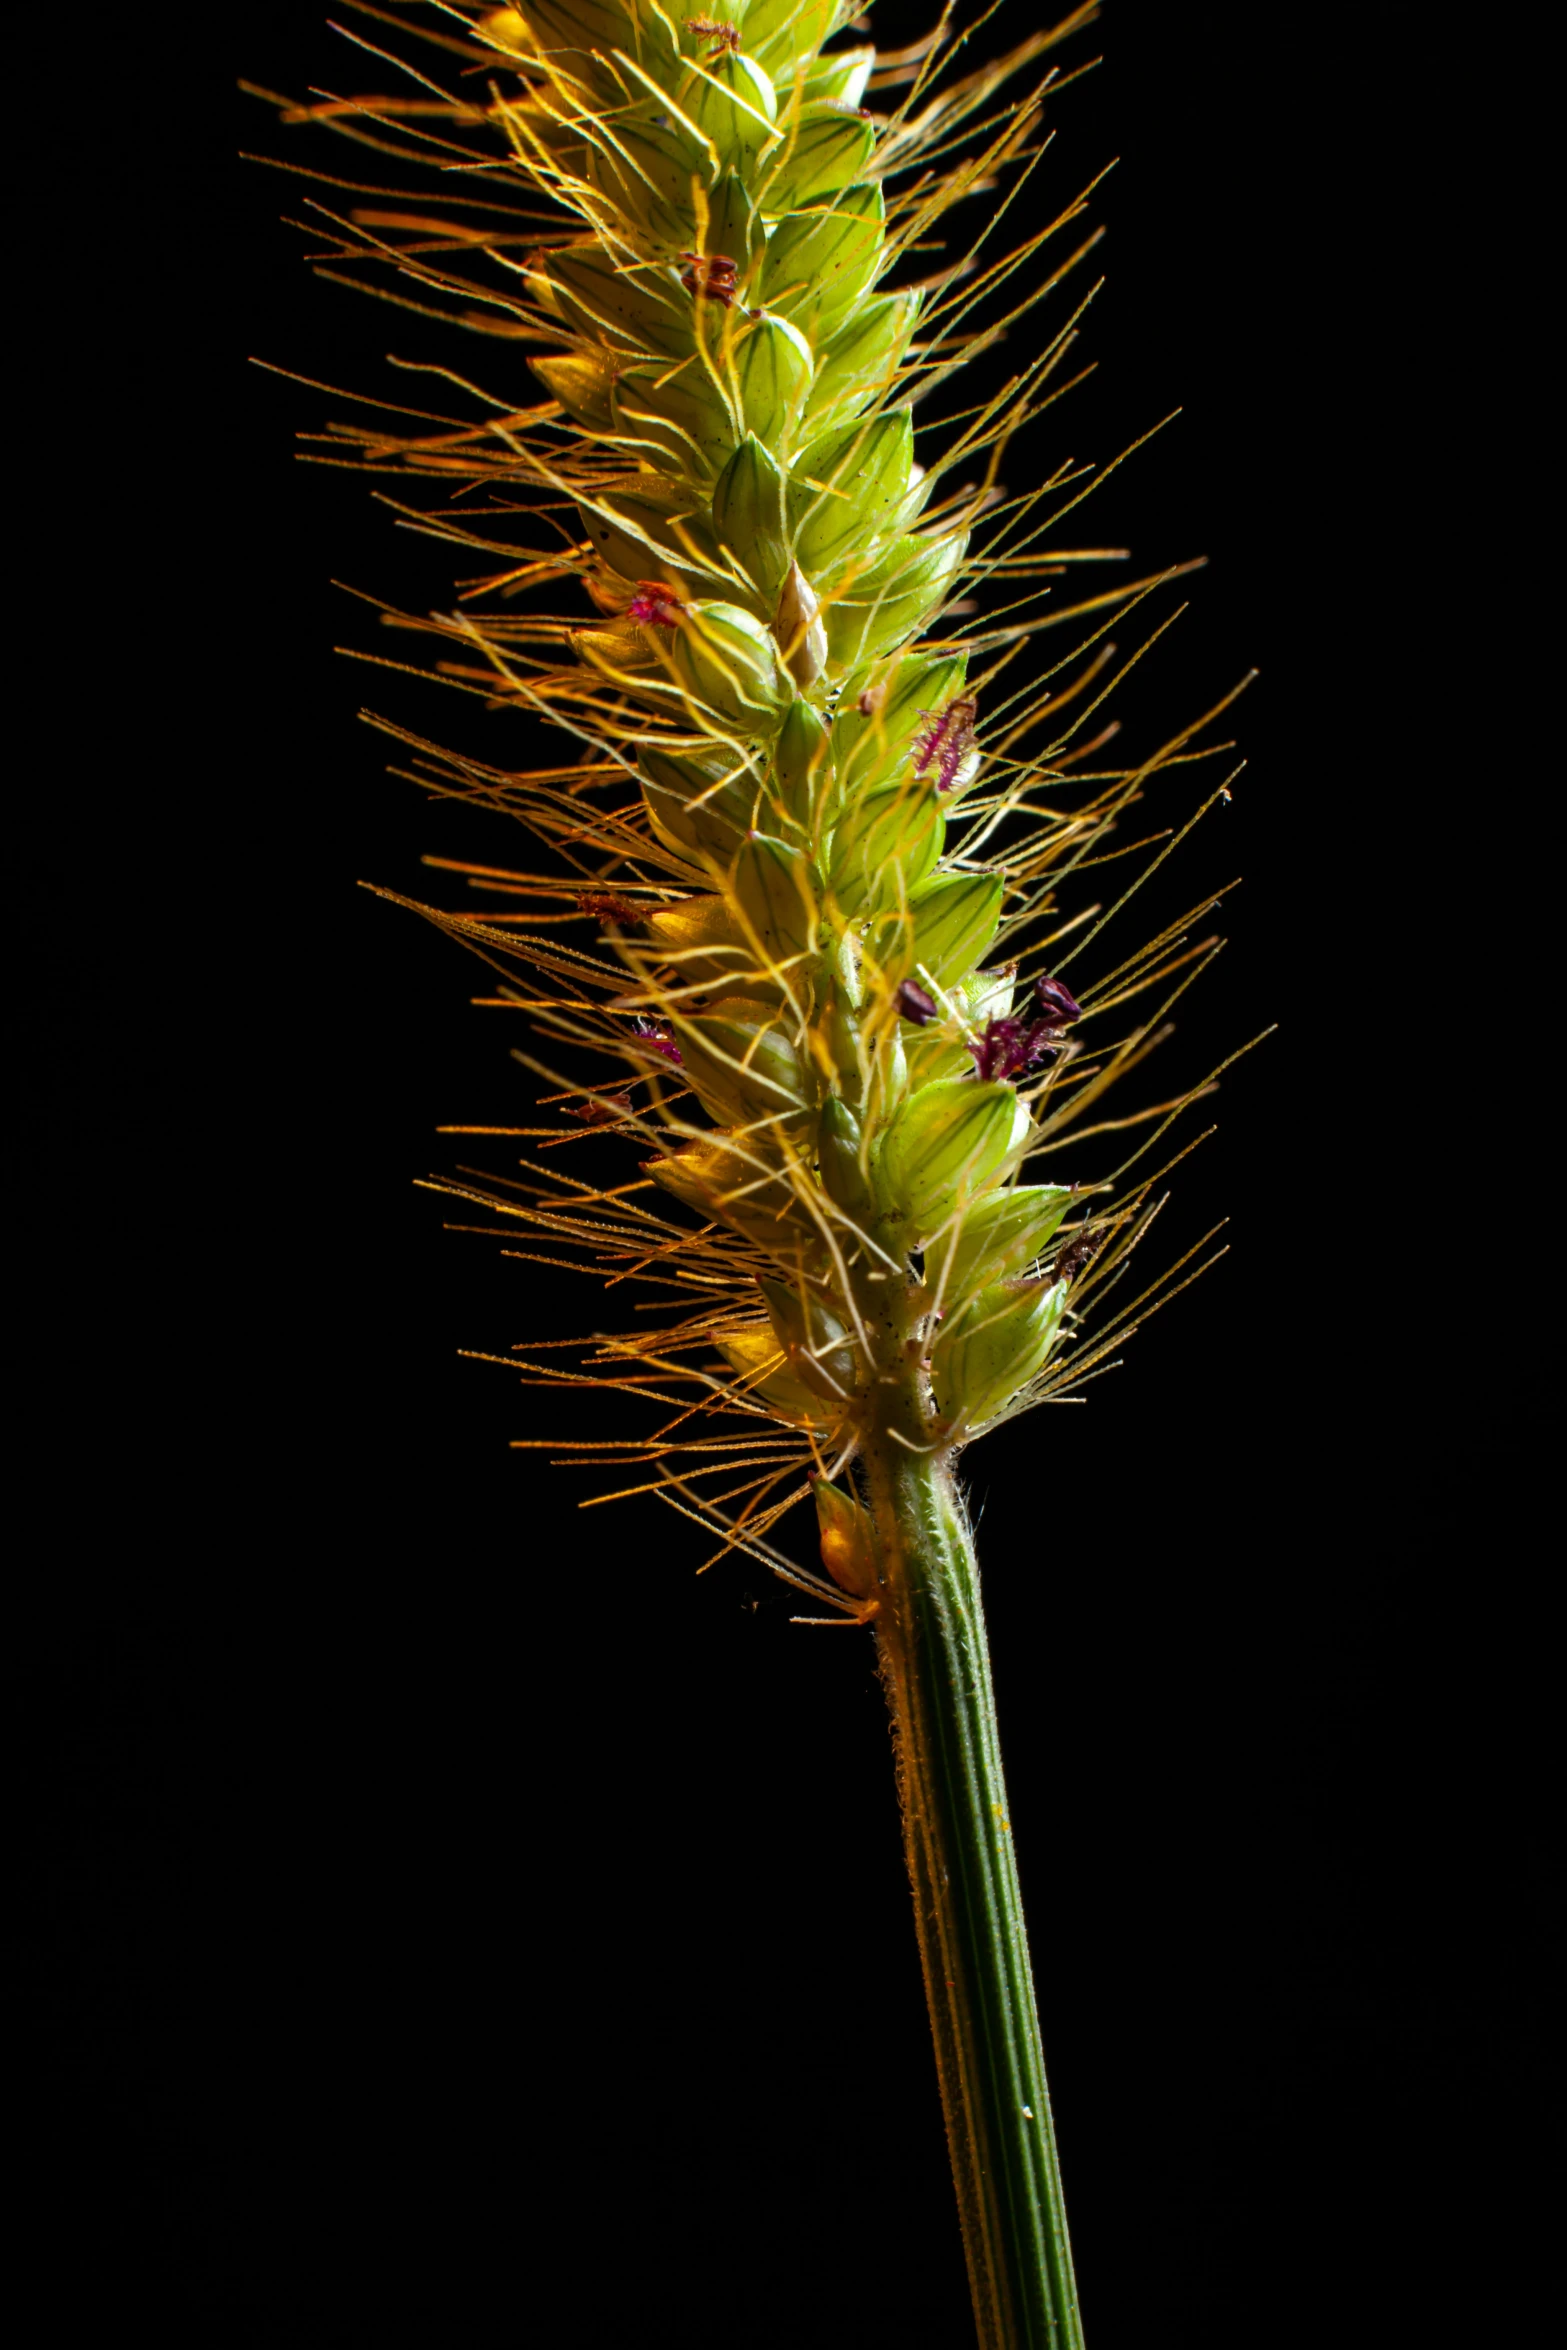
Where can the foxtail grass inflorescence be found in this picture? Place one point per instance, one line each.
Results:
(800, 941)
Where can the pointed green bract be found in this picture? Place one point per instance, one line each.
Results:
(825, 150)
(582, 386)
(776, 893)
(620, 311)
(747, 1073)
(943, 1148)
(765, 1378)
(999, 1236)
(848, 1540)
(748, 515)
(734, 226)
(840, 1145)
(954, 920)
(728, 1178)
(820, 261)
(703, 939)
(994, 1347)
(773, 370)
(727, 661)
(884, 846)
(847, 492)
(862, 358)
(884, 604)
(702, 807)
(802, 756)
(814, 1338)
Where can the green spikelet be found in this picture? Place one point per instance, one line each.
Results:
(820, 831)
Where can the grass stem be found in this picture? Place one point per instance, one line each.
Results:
(935, 1668)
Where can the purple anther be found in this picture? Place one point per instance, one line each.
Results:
(1056, 1000)
(915, 1004)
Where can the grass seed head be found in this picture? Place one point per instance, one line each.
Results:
(821, 830)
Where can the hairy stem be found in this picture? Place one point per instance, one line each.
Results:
(935, 1668)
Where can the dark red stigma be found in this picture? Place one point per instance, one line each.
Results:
(1008, 1047)
(601, 1109)
(946, 741)
(656, 604)
(658, 1037)
(605, 906)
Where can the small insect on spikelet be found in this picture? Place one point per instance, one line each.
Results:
(798, 936)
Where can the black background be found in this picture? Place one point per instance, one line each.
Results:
(443, 1919)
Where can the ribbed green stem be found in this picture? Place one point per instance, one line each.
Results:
(935, 1667)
